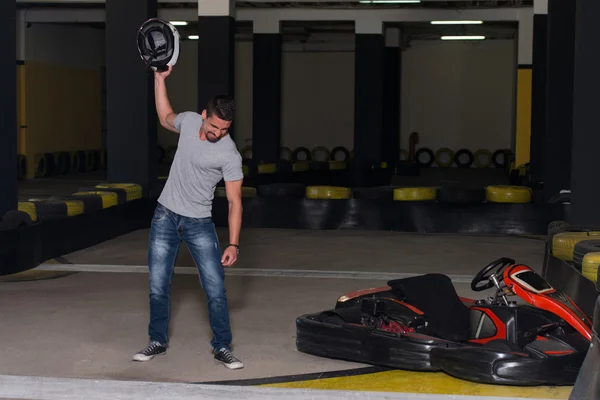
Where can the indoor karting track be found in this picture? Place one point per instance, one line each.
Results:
(93, 315)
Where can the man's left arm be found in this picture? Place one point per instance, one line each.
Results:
(233, 176)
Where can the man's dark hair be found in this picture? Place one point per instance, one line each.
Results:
(222, 106)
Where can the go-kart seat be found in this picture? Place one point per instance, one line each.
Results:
(434, 294)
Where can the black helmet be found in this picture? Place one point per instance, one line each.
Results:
(158, 44)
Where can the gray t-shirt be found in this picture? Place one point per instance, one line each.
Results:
(197, 168)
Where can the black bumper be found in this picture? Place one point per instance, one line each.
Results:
(359, 344)
(482, 365)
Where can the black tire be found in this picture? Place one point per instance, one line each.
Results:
(582, 248)
(319, 165)
(339, 149)
(46, 166)
(429, 162)
(468, 163)
(121, 193)
(284, 167)
(560, 198)
(282, 190)
(91, 203)
(460, 195)
(15, 219)
(374, 193)
(63, 163)
(21, 167)
(498, 153)
(304, 151)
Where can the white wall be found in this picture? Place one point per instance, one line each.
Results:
(459, 95)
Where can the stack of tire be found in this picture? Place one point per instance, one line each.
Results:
(577, 245)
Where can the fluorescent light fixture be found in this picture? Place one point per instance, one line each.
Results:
(388, 1)
(456, 22)
(464, 37)
(179, 23)
(194, 37)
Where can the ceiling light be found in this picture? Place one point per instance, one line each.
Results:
(194, 37)
(465, 37)
(456, 22)
(179, 23)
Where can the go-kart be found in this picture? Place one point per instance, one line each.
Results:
(421, 324)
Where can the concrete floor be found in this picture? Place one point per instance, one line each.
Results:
(88, 325)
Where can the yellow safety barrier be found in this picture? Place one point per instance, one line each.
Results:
(328, 192)
(415, 194)
(508, 194)
(133, 191)
(109, 199)
(564, 243)
(589, 266)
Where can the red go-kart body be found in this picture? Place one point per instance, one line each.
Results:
(421, 324)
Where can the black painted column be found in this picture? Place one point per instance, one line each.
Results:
(8, 109)
(266, 95)
(216, 51)
(586, 138)
(538, 93)
(131, 119)
(559, 95)
(368, 98)
(391, 97)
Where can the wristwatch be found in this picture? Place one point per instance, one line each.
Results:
(236, 247)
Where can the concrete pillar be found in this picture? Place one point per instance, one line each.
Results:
(391, 96)
(8, 110)
(559, 97)
(538, 86)
(368, 95)
(131, 135)
(585, 193)
(266, 99)
(216, 51)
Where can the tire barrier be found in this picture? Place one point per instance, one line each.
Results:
(460, 195)
(428, 153)
(415, 194)
(487, 158)
(300, 166)
(63, 163)
(320, 153)
(267, 168)
(583, 248)
(15, 219)
(21, 167)
(339, 149)
(109, 199)
(563, 243)
(45, 210)
(246, 152)
(508, 194)
(449, 157)
(328, 192)
(282, 190)
(285, 153)
(132, 191)
(337, 165)
(459, 158)
(304, 151)
(45, 165)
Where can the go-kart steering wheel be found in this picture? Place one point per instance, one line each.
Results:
(486, 273)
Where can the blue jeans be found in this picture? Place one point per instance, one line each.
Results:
(168, 230)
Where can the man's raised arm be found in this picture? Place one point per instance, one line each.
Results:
(165, 112)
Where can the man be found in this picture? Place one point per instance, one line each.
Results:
(205, 155)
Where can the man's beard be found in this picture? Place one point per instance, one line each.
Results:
(212, 138)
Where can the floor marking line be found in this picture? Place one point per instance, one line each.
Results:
(38, 388)
(262, 272)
